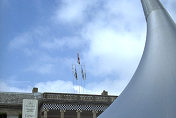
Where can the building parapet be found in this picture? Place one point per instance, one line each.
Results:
(78, 97)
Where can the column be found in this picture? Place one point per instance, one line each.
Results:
(79, 113)
(62, 113)
(94, 114)
(45, 113)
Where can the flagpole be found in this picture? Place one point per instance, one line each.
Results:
(79, 75)
(73, 78)
(84, 77)
(81, 78)
(78, 79)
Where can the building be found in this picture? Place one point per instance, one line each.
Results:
(56, 105)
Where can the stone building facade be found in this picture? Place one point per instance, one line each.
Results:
(56, 105)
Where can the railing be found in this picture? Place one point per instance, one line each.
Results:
(79, 97)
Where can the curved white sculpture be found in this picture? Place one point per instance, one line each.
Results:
(151, 93)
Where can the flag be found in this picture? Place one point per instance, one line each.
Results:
(85, 76)
(78, 59)
(76, 75)
(82, 72)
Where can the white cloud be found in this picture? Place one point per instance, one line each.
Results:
(112, 52)
(4, 87)
(66, 42)
(73, 10)
(20, 41)
(41, 68)
(113, 86)
(60, 86)
(116, 43)
(28, 40)
(55, 86)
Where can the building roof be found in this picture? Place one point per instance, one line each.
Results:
(14, 98)
(58, 101)
(17, 98)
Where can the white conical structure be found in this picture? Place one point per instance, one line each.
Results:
(151, 93)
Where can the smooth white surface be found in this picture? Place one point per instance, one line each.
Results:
(151, 93)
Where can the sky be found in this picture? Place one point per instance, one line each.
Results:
(40, 39)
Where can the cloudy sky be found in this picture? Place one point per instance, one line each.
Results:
(39, 41)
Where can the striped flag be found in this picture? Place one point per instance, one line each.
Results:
(82, 72)
(85, 76)
(76, 75)
(78, 59)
